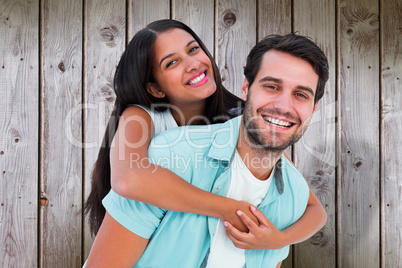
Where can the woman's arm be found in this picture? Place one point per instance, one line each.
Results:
(267, 236)
(134, 177)
(115, 246)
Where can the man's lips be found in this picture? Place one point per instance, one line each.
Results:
(276, 122)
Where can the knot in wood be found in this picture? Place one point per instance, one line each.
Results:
(108, 34)
(358, 163)
(229, 18)
(106, 92)
(319, 239)
(43, 201)
(61, 67)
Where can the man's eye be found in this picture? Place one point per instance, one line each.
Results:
(271, 86)
(170, 63)
(302, 95)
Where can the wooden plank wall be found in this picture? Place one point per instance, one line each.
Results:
(56, 74)
(19, 133)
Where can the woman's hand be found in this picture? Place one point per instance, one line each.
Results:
(237, 222)
(260, 236)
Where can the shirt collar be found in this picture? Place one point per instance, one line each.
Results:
(224, 140)
(224, 144)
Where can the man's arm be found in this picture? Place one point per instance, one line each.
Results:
(115, 246)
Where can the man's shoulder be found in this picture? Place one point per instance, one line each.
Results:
(292, 176)
(195, 137)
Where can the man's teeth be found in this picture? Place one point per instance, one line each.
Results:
(198, 79)
(277, 122)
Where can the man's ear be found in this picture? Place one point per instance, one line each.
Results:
(315, 106)
(244, 89)
(155, 90)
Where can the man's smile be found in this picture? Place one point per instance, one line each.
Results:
(277, 122)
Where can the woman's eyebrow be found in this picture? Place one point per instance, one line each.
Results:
(164, 58)
(171, 54)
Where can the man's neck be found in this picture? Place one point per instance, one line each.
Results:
(259, 161)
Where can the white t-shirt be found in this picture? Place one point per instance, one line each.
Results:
(243, 186)
(162, 120)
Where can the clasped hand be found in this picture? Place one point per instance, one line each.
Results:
(261, 234)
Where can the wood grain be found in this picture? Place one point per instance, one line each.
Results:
(236, 35)
(190, 12)
(140, 13)
(391, 129)
(274, 17)
(61, 155)
(19, 129)
(105, 39)
(41, 81)
(315, 153)
(358, 185)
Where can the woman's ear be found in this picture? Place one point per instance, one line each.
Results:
(155, 90)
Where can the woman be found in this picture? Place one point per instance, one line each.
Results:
(167, 64)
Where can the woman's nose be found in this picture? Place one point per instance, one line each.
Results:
(192, 64)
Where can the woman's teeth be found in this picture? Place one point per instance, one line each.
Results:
(277, 122)
(197, 80)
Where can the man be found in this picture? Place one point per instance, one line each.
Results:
(242, 159)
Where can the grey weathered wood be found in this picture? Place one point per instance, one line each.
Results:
(315, 152)
(358, 90)
(140, 13)
(105, 34)
(236, 35)
(61, 155)
(363, 119)
(199, 16)
(391, 129)
(19, 65)
(274, 17)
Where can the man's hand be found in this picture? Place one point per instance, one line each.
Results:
(262, 236)
(235, 221)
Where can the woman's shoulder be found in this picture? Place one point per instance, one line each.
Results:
(162, 120)
(136, 112)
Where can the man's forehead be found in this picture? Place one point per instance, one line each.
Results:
(281, 67)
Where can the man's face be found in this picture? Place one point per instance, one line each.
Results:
(280, 102)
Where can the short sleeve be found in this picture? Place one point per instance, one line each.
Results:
(139, 218)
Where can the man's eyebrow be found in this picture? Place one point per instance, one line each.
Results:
(270, 79)
(279, 81)
(171, 54)
(309, 90)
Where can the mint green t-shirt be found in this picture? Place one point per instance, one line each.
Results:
(202, 156)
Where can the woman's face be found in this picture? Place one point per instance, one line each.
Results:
(182, 70)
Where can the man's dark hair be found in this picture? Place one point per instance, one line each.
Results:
(296, 45)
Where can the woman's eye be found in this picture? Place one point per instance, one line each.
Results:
(170, 63)
(194, 49)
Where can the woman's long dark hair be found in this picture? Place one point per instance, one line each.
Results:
(133, 73)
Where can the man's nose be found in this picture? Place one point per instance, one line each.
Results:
(284, 102)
